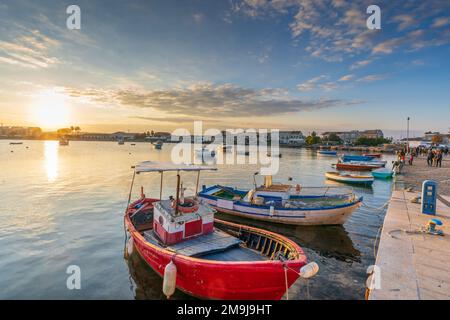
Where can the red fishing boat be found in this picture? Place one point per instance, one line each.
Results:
(374, 155)
(355, 166)
(206, 257)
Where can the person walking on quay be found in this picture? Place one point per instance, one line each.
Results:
(439, 159)
(430, 157)
(411, 159)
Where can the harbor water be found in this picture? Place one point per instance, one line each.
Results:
(64, 205)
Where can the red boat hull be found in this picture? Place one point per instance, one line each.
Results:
(209, 279)
(353, 167)
(375, 155)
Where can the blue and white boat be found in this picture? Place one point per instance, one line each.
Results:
(351, 157)
(158, 145)
(327, 152)
(280, 203)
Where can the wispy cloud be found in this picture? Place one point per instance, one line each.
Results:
(347, 77)
(339, 32)
(31, 50)
(198, 18)
(209, 101)
(441, 22)
(372, 77)
(311, 84)
(360, 64)
(404, 21)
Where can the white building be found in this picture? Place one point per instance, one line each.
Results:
(291, 138)
(120, 135)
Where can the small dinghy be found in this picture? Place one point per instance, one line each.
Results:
(382, 173)
(205, 257)
(349, 178)
(327, 152)
(158, 145)
(205, 153)
(63, 142)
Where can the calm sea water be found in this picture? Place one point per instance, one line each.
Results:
(64, 206)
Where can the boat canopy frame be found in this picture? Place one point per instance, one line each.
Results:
(161, 167)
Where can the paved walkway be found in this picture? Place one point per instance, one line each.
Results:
(413, 265)
(414, 175)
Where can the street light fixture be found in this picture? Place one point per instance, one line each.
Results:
(407, 132)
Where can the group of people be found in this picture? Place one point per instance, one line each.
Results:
(401, 156)
(434, 156)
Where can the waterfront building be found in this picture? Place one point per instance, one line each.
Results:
(353, 135)
(120, 135)
(20, 132)
(291, 138)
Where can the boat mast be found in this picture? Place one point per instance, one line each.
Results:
(198, 179)
(160, 187)
(131, 188)
(178, 193)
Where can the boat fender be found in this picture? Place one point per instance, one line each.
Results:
(170, 279)
(309, 270)
(271, 210)
(130, 246)
(298, 188)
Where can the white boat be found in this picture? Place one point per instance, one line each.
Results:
(63, 142)
(285, 204)
(205, 152)
(350, 178)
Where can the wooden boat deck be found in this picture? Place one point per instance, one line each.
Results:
(236, 254)
(212, 243)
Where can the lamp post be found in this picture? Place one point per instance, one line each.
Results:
(407, 133)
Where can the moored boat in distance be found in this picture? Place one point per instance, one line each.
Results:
(63, 142)
(382, 173)
(158, 145)
(280, 203)
(15, 143)
(350, 178)
(327, 152)
(205, 257)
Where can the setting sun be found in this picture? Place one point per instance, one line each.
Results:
(50, 110)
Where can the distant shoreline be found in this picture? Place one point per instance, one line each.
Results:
(313, 147)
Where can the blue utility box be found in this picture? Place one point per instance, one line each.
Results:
(429, 195)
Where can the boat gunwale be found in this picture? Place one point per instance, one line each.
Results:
(361, 177)
(296, 250)
(241, 203)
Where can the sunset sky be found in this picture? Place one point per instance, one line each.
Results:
(159, 65)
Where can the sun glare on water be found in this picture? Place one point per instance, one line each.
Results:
(50, 110)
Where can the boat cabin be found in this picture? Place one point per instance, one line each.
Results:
(174, 225)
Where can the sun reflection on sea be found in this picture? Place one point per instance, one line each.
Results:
(51, 160)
